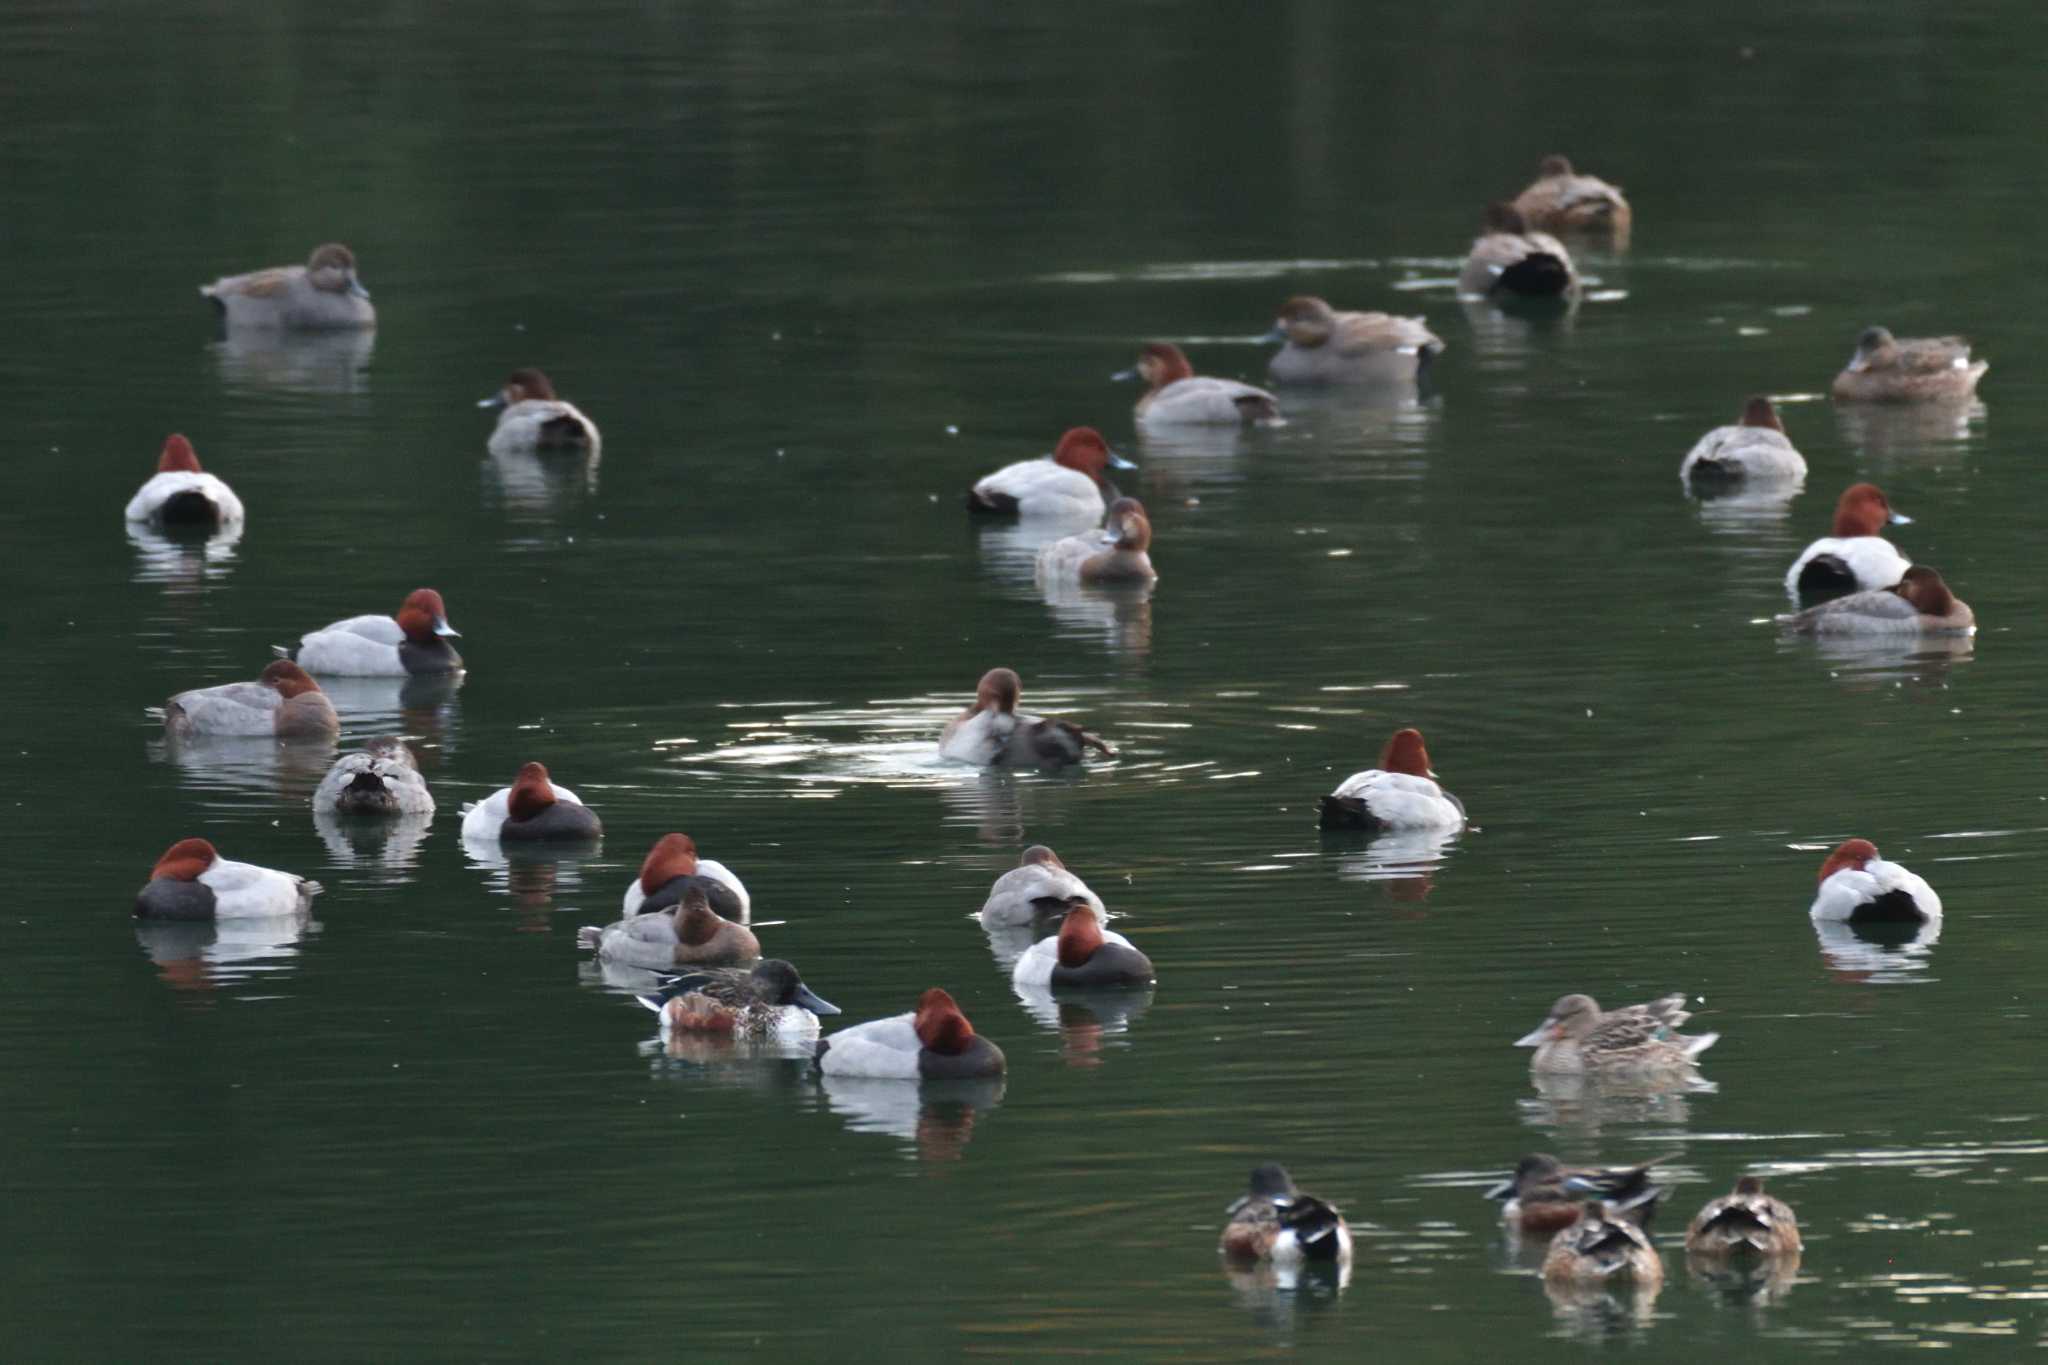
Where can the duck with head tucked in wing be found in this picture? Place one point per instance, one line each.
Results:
(1920, 603)
(1082, 954)
(1039, 887)
(672, 866)
(1276, 1222)
(1579, 1038)
(533, 809)
(381, 778)
(1753, 451)
(283, 703)
(1858, 886)
(692, 934)
(933, 1043)
(1562, 199)
(1544, 1194)
(1747, 1222)
(1603, 1248)
(1401, 793)
(1508, 260)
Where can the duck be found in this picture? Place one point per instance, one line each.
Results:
(671, 867)
(1323, 346)
(1855, 558)
(531, 418)
(1746, 1222)
(1562, 199)
(767, 1000)
(1038, 886)
(1860, 887)
(1276, 1222)
(936, 1042)
(1068, 484)
(180, 493)
(283, 702)
(1917, 370)
(1116, 555)
(1601, 1248)
(995, 734)
(1082, 954)
(322, 295)
(191, 881)
(414, 641)
(1176, 396)
(532, 809)
(1753, 451)
(1401, 793)
(1509, 259)
(693, 934)
(1544, 1194)
(381, 778)
(1579, 1038)
(1918, 604)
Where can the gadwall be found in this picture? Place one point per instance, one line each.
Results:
(1324, 346)
(1564, 200)
(1917, 370)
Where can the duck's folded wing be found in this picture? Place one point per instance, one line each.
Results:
(251, 706)
(382, 629)
(1928, 355)
(255, 284)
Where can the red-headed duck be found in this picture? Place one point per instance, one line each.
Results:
(1745, 1223)
(1579, 1038)
(1116, 554)
(1603, 1248)
(692, 934)
(1859, 886)
(1753, 451)
(995, 734)
(1324, 346)
(1509, 260)
(193, 882)
(413, 641)
(180, 493)
(321, 295)
(1561, 199)
(1544, 1194)
(1039, 887)
(1082, 954)
(1176, 396)
(283, 702)
(1855, 558)
(1276, 1222)
(671, 867)
(1401, 793)
(382, 778)
(533, 808)
(1068, 484)
(1920, 603)
(530, 417)
(768, 1000)
(1917, 370)
(934, 1043)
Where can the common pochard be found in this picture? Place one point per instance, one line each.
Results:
(532, 809)
(1037, 888)
(193, 882)
(1918, 604)
(1603, 1248)
(321, 295)
(1508, 259)
(1082, 954)
(1544, 1194)
(1324, 346)
(1859, 886)
(1917, 370)
(767, 1000)
(1401, 793)
(1276, 1222)
(180, 493)
(413, 641)
(1855, 558)
(531, 418)
(672, 866)
(382, 778)
(1747, 1222)
(1753, 451)
(994, 733)
(1070, 484)
(1561, 199)
(934, 1043)
(692, 934)
(1116, 554)
(1579, 1038)
(283, 702)
(1176, 396)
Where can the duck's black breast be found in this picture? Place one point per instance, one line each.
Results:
(170, 899)
(1824, 578)
(436, 657)
(979, 1058)
(562, 820)
(1110, 965)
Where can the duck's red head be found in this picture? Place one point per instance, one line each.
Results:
(673, 855)
(1759, 412)
(422, 616)
(287, 679)
(531, 793)
(184, 860)
(1404, 754)
(1163, 363)
(1853, 853)
(696, 922)
(1862, 510)
(998, 690)
(1084, 449)
(1080, 936)
(1924, 588)
(521, 385)
(940, 1025)
(177, 457)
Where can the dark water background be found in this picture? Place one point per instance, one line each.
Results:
(813, 271)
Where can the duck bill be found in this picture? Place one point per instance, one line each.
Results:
(1117, 461)
(1538, 1037)
(1901, 519)
(355, 286)
(441, 627)
(496, 400)
(1502, 1190)
(812, 1001)
(1277, 335)
(1123, 376)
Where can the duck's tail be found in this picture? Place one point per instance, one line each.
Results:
(589, 936)
(1695, 1046)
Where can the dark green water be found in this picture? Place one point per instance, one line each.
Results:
(813, 273)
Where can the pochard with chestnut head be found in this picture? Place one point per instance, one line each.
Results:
(935, 1042)
(180, 493)
(532, 419)
(283, 703)
(1071, 484)
(1754, 451)
(191, 881)
(414, 641)
(1855, 558)
(673, 866)
(1859, 887)
(1083, 954)
(1401, 793)
(1176, 396)
(534, 809)
(1117, 555)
